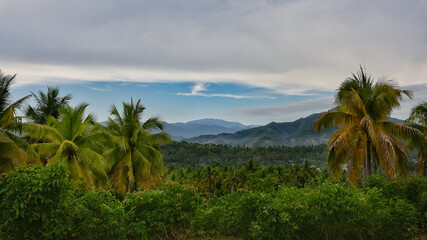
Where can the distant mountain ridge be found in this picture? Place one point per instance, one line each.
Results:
(217, 131)
(207, 126)
(297, 133)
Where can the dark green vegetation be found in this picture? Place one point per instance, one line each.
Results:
(182, 154)
(297, 133)
(42, 203)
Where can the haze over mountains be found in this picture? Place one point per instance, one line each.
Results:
(207, 126)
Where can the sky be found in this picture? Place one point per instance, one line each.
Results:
(252, 61)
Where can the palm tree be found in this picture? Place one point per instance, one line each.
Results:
(12, 148)
(251, 166)
(305, 173)
(418, 120)
(74, 141)
(210, 179)
(366, 138)
(135, 154)
(48, 104)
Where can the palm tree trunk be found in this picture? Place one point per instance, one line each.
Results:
(127, 184)
(374, 163)
(136, 183)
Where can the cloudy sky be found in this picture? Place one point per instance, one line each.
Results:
(253, 61)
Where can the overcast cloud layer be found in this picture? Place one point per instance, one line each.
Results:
(288, 47)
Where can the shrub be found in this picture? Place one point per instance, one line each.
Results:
(287, 217)
(98, 215)
(167, 209)
(32, 202)
(233, 214)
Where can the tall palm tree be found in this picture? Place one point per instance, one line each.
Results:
(366, 138)
(12, 148)
(74, 141)
(47, 104)
(418, 120)
(135, 154)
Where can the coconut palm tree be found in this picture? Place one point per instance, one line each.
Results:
(135, 152)
(418, 120)
(47, 104)
(210, 179)
(366, 138)
(305, 172)
(12, 148)
(74, 141)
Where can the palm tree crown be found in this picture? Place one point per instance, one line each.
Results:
(367, 140)
(418, 120)
(74, 141)
(48, 104)
(135, 155)
(12, 148)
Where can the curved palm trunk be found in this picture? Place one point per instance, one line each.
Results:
(127, 184)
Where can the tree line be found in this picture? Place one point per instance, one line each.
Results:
(253, 202)
(182, 154)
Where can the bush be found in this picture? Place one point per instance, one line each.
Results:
(33, 203)
(287, 217)
(167, 209)
(232, 214)
(98, 215)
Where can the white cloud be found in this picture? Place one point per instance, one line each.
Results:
(315, 105)
(199, 89)
(108, 89)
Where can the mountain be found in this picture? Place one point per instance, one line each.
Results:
(299, 132)
(207, 126)
(217, 131)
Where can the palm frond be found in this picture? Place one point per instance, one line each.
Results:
(333, 119)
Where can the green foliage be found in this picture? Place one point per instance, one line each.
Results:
(331, 211)
(32, 202)
(413, 191)
(12, 148)
(164, 211)
(134, 156)
(182, 154)
(41, 203)
(98, 215)
(232, 214)
(74, 141)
